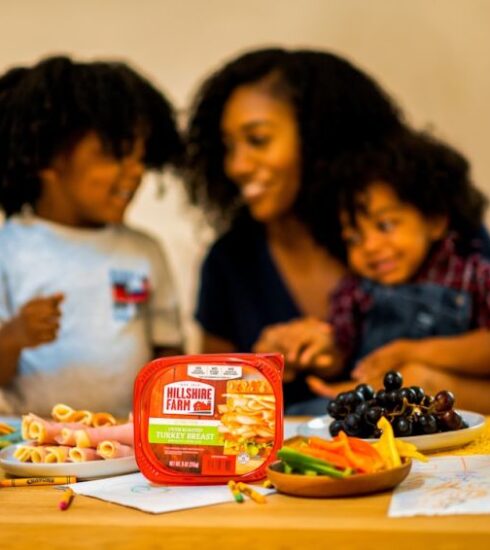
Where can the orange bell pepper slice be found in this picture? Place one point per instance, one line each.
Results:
(355, 452)
(337, 460)
(332, 445)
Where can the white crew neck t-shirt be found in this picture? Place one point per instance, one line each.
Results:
(119, 302)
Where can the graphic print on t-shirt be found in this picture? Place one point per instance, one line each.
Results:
(130, 291)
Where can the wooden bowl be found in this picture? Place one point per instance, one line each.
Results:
(324, 486)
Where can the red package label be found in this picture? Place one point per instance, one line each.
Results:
(208, 418)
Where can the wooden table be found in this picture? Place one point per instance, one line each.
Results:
(30, 519)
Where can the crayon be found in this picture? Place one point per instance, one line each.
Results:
(66, 499)
(235, 492)
(28, 481)
(252, 493)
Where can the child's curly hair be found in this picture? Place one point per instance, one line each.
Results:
(46, 109)
(422, 170)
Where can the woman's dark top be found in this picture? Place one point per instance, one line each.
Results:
(241, 293)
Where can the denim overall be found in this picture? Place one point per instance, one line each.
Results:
(412, 311)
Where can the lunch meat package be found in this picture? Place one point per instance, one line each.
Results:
(206, 419)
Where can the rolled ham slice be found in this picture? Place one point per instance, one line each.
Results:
(85, 417)
(62, 413)
(57, 454)
(103, 419)
(76, 454)
(66, 437)
(38, 454)
(23, 453)
(91, 437)
(26, 422)
(44, 431)
(114, 449)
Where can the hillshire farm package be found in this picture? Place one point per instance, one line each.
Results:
(205, 419)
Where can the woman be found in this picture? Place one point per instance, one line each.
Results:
(263, 131)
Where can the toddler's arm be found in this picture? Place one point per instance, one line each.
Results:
(471, 392)
(36, 323)
(467, 354)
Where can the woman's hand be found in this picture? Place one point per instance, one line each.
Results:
(305, 343)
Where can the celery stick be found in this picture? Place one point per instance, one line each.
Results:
(303, 462)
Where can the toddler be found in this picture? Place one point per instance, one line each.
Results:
(419, 295)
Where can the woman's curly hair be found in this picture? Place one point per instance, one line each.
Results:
(338, 108)
(46, 109)
(423, 172)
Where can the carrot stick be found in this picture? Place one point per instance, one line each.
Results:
(330, 457)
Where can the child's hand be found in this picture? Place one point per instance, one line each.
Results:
(38, 321)
(392, 356)
(305, 342)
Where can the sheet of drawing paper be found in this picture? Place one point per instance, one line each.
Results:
(444, 486)
(136, 491)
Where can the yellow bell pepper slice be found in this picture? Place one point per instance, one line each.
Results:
(386, 446)
(409, 450)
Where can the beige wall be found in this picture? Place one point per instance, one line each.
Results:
(432, 55)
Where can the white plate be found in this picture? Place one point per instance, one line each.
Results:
(430, 442)
(91, 469)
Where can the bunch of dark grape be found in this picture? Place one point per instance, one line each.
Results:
(409, 410)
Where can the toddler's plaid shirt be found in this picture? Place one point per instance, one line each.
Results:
(350, 303)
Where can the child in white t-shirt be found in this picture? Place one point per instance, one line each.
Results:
(85, 301)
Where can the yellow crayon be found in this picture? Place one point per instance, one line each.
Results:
(267, 484)
(252, 493)
(235, 492)
(28, 481)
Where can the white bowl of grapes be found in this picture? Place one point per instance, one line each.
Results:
(430, 422)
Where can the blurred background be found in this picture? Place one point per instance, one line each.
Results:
(432, 56)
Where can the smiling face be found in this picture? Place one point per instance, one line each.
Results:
(262, 151)
(88, 187)
(391, 239)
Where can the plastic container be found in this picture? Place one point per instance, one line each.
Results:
(206, 419)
